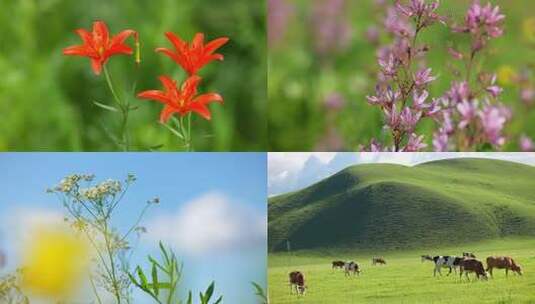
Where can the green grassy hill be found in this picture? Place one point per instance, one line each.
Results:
(387, 206)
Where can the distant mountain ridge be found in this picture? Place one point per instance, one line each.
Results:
(393, 206)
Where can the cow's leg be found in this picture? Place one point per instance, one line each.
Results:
(450, 271)
(490, 271)
(506, 272)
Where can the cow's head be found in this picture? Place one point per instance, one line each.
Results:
(517, 269)
(425, 257)
(302, 289)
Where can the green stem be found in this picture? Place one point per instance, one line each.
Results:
(95, 289)
(114, 282)
(123, 107)
(190, 145)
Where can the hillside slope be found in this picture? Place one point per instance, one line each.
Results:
(393, 206)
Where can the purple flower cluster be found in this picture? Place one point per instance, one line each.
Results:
(469, 115)
(402, 90)
(279, 13)
(330, 26)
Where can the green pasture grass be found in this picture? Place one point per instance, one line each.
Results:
(405, 279)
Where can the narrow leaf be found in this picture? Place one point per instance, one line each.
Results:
(219, 300)
(105, 107)
(155, 280)
(175, 132)
(142, 277)
(210, 291)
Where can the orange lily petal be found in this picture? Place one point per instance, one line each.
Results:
(213, 45)
(96, 65)
(166, 113)
(202, 110)
(100, 32)
(207, 98)
(154, 95)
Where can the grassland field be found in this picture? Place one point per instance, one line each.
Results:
(405, 278)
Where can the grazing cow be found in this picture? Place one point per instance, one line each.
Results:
(378, 260)
(338, 264)
(469, 255)
(351, 267)
(503, 262)
(450, 262)
(472, 265)
(297, 281)
(427, 257)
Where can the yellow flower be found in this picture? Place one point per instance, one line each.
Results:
(55, 263)
(506, 75)
(528, 27)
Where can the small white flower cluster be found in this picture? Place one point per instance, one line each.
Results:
(100, 191)
(70, 182)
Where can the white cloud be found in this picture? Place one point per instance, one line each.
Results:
(17, 227)
(292, 171)
(210, 223)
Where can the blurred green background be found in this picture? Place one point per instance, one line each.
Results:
(308, 67)
(46, 98)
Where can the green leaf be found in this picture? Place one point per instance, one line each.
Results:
(133, 279)
(164, 252)
(154, 262)
(106, 107)
(190, 299)
(155, 280)
(219, 300)
(174, 131)
(210, 291)
(142, 277)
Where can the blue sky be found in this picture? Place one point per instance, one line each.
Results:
(231, 185)
(290, 171)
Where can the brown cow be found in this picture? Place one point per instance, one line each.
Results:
(297, 280)
(472, 265)
(378, 260)
(338, 264)
(503, 262)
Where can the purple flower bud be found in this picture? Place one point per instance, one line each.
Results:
(440, 141)
(493, 119)
(388, 66)
(334, 101)
(415, 143)
(493, 89)
(459, 92)
(409, 119)
(419, 100)
(527, 95)
(392, 117)
(423, 77)
(468, 110)
(486, 20)
(526, 144)
(455, 54)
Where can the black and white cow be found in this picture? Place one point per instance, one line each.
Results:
(443, 261)
(351, 267)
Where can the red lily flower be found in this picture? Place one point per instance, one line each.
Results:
(181, 101)
(192, 57)
(99, 46)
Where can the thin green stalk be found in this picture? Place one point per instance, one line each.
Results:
(190, 145)
(112, 266)
(124, 109)
(95, 289)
